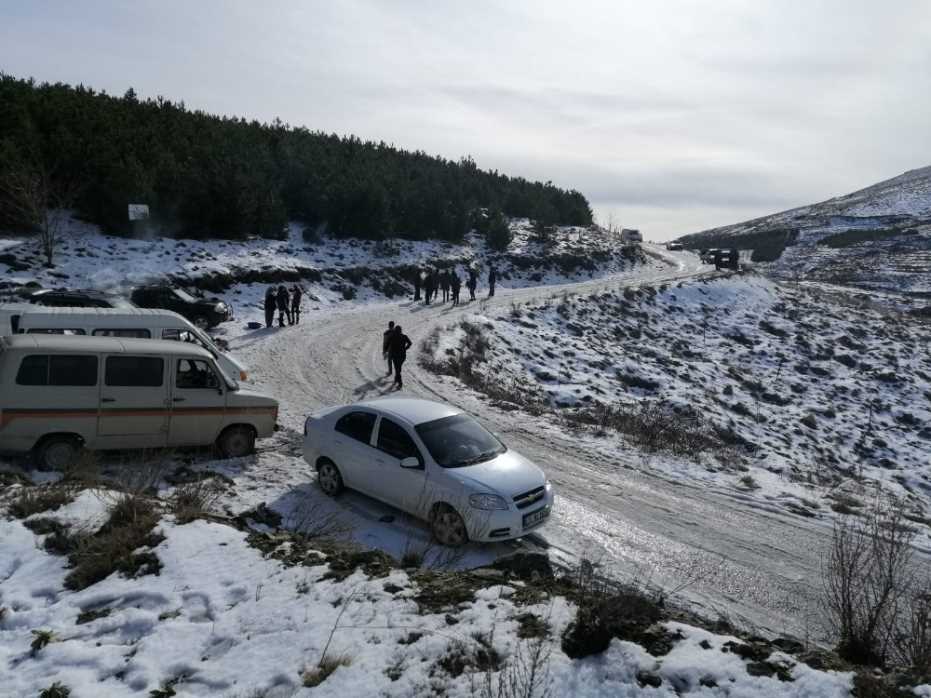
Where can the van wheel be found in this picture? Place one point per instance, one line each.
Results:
(58, 453)
(201, 322)
(329, 478)
(448, 527)
(236, 442)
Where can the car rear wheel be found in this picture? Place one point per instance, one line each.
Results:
(236, 442)
(448, 527)
(329, 478)
(58, 453)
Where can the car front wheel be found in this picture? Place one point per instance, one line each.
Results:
(236, 442)
(328, 475)
(448, 527)
(58, 453)
(201, 322)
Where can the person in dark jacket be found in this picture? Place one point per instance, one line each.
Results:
(418, 278)
(397, 352)
(284, 306)
(473, 282)
(444, 285)
(428, 287)
(270, 303)
(386, 340)
(456, 283)
(492, 279)
(296, 294)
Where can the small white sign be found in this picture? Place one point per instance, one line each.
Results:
(138, 212)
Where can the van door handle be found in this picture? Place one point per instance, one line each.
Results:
(107, 399)
(178, 399)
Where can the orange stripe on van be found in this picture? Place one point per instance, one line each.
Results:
(7, 416)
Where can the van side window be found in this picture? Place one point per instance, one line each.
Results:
(41, 369)
(193, 374)
(394, 440)
(356, 425)
(55, 330)
(135, 371)
(130, 334)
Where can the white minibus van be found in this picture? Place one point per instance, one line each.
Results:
(60, 395)
(137, 323)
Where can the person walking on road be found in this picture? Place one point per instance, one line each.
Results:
(473, 282)
(428, 287)
(386, 340)
(492, 279)
(418, 279)
(284, 306)
(296, 294)
(270, 303)
(456, 284)
(397, 352)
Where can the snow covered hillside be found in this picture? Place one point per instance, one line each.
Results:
(877, 238)
(333, 271)
(793, 397)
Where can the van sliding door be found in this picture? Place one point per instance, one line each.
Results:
(134, 407)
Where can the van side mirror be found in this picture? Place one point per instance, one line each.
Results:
(410, 462)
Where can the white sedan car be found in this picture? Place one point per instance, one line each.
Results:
(432, 461)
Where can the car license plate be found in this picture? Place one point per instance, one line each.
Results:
(535, 517)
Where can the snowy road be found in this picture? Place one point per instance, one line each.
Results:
(757, 566)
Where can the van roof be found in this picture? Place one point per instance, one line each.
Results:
(148, 313)
(111, 345)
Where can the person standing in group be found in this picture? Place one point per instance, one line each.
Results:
(418, 278)
(427, 287)
(444, 284)
(296, 294)
(284, 306)
(473, 282)
(492, 279)
(386, 340)
(456, 283)
(397, 353)
(270, 303)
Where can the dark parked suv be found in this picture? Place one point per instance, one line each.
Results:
(203, 312)
(79, 299)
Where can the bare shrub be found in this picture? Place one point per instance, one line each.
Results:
(32, 500)
(318, 674)
(312, 519)
(911, 644)
(525, 674)
(113, 548)
(654, 426)
(866, 576)
(195, 500)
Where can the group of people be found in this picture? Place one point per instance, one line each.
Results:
(448, 282)
(394, 348)
(288, 305)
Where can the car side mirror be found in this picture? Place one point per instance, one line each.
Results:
(410, 462)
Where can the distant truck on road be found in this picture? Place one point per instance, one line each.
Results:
(631, 235)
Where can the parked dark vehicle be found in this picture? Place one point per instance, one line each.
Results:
(80, 298)
(203, 312)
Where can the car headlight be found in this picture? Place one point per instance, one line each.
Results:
(220, 307)
(487, 501)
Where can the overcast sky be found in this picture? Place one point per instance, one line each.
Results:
(670, 116)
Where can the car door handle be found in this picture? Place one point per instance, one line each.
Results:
(178, 399)
(107, 399)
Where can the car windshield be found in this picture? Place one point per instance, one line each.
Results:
(457, 441)
(184, 295)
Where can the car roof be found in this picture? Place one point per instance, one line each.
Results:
(111, 345)
(152, 313)
(413, 410)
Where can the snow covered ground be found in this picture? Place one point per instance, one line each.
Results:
(224, 618)
(823, 400)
